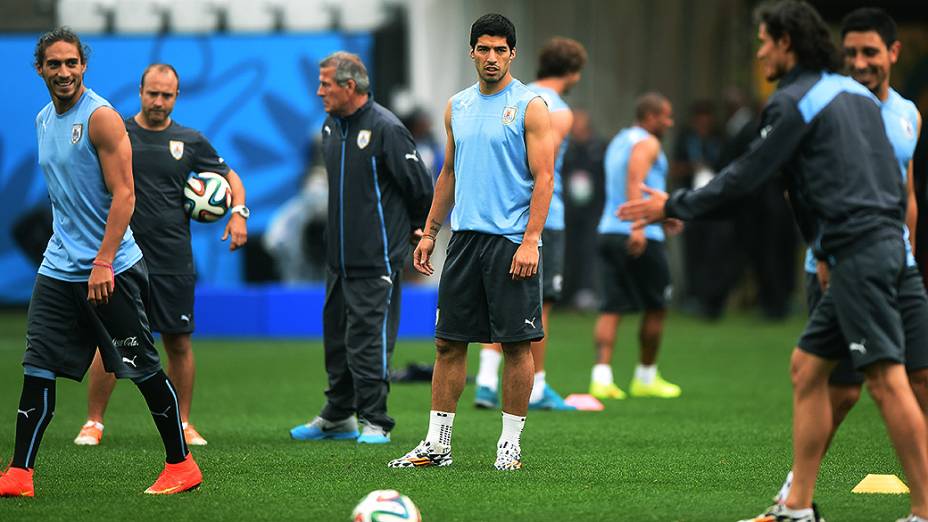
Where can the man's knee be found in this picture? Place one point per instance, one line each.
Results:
(918, 380)
(521, 349)
(843, 398)
(808, 371)
(177, 344)
(885, 380)
(446, 349)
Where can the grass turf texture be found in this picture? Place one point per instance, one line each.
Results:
(718, 453)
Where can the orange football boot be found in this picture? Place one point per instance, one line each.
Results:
(177, 478)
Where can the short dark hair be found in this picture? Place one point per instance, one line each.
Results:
(649, 103)
(159, 67)
(493, 24)
(61, 34)
(560, 57)
(809, 37)
(870, 19)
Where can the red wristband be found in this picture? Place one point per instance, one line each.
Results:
(106, 265)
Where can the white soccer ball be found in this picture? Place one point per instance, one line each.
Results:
(207, 197)
(386, 505)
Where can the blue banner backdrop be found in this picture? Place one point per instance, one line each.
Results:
(253, 97)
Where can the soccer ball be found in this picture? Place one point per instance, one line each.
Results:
(386, 505)
(207, 197)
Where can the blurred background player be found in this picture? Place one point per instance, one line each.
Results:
(825, 132)
(164, 153)
(870, 50)
(379, 194)
(633, 262)
(498, 176)
(91, 287)
(559, 66)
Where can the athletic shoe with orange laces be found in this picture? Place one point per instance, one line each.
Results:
(192, 437)
(16, 482)
(177, 478)
(90, 435)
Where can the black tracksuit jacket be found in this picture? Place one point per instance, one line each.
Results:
(825, 134)
(379, 192)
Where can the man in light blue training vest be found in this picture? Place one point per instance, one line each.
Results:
(633, 263)
(559, 66)
(92, 285)
(870, 50)
(498, 176)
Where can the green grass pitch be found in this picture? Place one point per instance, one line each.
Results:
(717, 453)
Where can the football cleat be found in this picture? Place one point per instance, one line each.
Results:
(322, 429)
(486, 398)
(177, 478)
(16, 482)
(606, 391)
(373, 434)
(912, 518)
(423, 456)
(550, 400)
(193, 437)
(508, 457)
(780, 513)
(658, 388)
(90, 435)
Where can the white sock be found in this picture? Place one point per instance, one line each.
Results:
(646, 374)
(538, 387)
(798, 513)
(90, 423)
(602, 374)
(488, 374)
(440, 428)
(784, 489)
(512, 430)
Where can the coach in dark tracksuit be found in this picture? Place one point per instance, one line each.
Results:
(825, 132)
(379, 197)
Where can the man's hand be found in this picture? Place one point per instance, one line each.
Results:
(415, 236)
(525, 262)
(421, 256)
(673, 226)
(238, 230)
(644, 211)
(101, 284)
(821, 268)
(636, 243)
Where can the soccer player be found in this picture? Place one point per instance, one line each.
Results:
(825, 132)
(870, 50)
(633, 262)
(92, 283)
(164, 153)
(498, 176)
(378, 199)
(559, 66)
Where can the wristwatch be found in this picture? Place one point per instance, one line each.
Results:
(242, 210)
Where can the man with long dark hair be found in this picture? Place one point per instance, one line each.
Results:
(825, 133)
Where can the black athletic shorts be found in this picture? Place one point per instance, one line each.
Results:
(64, 330)
(858, 314)
(478, 301)
(553, 253)
(913, 305)
(171, 303)
(632, 284)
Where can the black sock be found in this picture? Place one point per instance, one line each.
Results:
(36, 408)
(161, 397)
